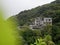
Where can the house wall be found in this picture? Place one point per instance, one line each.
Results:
(40, 22)
(48, 21)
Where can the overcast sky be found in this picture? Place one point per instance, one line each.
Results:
(13, 7)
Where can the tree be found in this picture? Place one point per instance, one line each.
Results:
(44, 41)
(28, 35)
(47, 29)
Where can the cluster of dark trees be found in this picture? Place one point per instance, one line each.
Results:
(26, 17)
(30, 36)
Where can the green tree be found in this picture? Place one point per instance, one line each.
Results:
(28, 35)
(44, 41)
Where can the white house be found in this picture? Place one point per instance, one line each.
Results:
(41, 22)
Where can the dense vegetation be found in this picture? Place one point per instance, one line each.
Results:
(47, 10)
(29, 36)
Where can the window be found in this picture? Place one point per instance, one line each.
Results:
(49, 19)
(40, 25)
(37, 24)
(44, 22)
(42, 19)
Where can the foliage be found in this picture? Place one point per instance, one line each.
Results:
(56, 33)
(44, 41)
(27, 16)
(8, 32)
(28, 35)
(48, 10)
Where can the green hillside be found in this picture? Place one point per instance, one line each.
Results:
(48, 10)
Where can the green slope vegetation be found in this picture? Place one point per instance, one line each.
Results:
(48, 10)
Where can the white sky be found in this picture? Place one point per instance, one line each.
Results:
(13, 7)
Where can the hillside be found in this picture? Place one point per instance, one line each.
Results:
(48, 10)
(27, 16)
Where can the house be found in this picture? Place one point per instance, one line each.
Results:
(41, 22)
